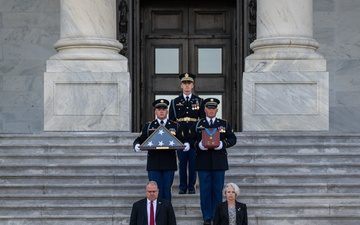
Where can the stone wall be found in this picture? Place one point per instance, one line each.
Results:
(337, 31)
(28, 31)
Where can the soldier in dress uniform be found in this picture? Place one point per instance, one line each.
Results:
(186, 110)
(211, 163)
(161, 164)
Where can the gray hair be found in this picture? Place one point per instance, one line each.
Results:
(152, 183)
(233, 185)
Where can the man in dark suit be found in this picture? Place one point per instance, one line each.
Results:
(152, 210)
(186, 109)
(211, 163)
(161, 164)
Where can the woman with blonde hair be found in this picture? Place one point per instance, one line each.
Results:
(231, 212)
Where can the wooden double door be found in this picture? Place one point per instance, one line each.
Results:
(199, 37)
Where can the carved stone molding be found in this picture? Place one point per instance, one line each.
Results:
(123, 26)
(252, 20)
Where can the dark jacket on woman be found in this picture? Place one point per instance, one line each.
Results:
(222, 214)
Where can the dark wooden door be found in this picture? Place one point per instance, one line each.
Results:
(189, 36)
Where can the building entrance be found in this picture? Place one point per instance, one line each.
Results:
(199, 37)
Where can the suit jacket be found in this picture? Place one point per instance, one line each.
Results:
(160, 159)
(164, 213)
(180, 108)
(212, 159)
(222, 214)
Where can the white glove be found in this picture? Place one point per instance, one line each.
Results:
(187, 147)
(219, 147)
(136, 148)
(201, 146)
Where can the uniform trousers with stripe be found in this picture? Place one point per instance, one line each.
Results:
(211, 185)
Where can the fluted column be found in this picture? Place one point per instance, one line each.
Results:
(284, 30)
(87, 83)
(88, 30)
(285, 84)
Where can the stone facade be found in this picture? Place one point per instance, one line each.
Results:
(30, 28)
(285, 83)
(87, 83)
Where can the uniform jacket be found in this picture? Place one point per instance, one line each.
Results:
(180, 108)
(212, 159)
(164, 213)
(160, 159)
(222, 214)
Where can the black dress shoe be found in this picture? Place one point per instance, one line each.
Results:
(192, 192)
(207, 222)
(182, 192)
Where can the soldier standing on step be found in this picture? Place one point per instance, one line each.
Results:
(161, 164)
(186, 109)
(211, 163)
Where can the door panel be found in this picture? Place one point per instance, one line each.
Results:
(210, 18)
(165, 18)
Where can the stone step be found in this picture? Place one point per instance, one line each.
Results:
(67, 219)
(68, 138)
(73, 158)
(320, 158)
(126, 138)
(68, 149)
(135, 188)
(286, 178)
(117, 168)
(93, 178)
(140, 158)
(116, 148)
(297, 148)
(181, 220)
(230, 176)
(336, 219)
(126, 198)
(180, 209)
(87, 220)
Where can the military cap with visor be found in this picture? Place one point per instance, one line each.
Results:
(187, 77)
(161, 103)
(211, 103)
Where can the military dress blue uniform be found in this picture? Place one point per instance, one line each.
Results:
(186, 112)
(211, 164)
(161, 164)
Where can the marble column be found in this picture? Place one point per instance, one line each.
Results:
(285, 83)
(87, 83)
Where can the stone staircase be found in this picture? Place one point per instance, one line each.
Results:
(94, 178)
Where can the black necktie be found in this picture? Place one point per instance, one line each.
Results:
(187, 98)
(211, 123)
(162, 122)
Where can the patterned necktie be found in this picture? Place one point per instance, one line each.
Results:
(152, 219)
